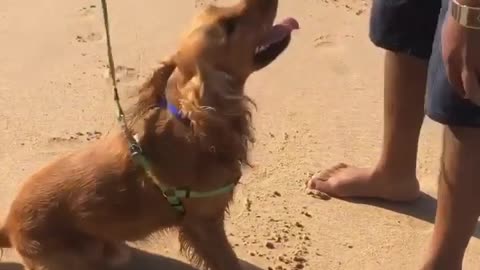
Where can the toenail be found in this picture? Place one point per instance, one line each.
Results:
(311, 184)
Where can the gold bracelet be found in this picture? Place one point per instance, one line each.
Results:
(466, 16)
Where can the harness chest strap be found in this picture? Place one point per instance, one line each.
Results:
(174, 195)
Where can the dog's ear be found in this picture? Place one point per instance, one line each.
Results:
(215, 82)
(212, 94)
(204, 89)
(216, 103)
(154, 89)
(160, 77)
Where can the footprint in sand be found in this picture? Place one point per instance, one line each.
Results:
(123, 74)
(77, 137)
(88, 11)
(60, 144)
(91, 37)
(323, 41)
(201, 3)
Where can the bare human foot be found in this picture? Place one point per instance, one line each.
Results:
(346, 181)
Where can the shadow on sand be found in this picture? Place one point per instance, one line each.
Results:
(149, 261)
(10, 266)
(142, 260)
(424, 208)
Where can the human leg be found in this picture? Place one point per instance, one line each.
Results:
(405, 29)
(458, 198)
(459, 182)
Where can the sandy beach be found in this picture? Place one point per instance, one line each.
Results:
(319, 104)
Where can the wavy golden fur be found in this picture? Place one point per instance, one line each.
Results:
(217, 108)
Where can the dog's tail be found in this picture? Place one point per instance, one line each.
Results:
(4, 240)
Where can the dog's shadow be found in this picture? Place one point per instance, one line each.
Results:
(10, 266)
(142, 260)
(149, 261)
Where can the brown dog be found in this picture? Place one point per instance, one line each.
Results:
(77, 212)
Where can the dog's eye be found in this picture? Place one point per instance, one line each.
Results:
(229, 25)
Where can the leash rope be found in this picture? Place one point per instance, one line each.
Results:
(173, 195)
(134, 147)
(133, 144)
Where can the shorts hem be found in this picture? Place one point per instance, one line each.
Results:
(451, 121)
(408, 50)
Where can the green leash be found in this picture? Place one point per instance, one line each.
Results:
(173, 195)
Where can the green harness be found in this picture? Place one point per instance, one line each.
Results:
(172, 194)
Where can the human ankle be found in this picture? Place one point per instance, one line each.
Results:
(433, 265)
(443, 259)
(394, 173)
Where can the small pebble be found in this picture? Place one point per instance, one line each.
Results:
(270, 245)
(299, 266)
(307, 214)
(299, 259)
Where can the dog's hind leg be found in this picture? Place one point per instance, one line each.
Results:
(62, 261)
(84, 254)
(205, 244)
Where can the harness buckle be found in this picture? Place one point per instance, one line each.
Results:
(170, 193)
(135, 149)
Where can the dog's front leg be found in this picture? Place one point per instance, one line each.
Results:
(206, 244)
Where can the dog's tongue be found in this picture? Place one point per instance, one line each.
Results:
(281, 30)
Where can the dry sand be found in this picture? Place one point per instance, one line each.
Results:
(319, 104)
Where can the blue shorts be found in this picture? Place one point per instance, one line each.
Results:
(413, 27)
